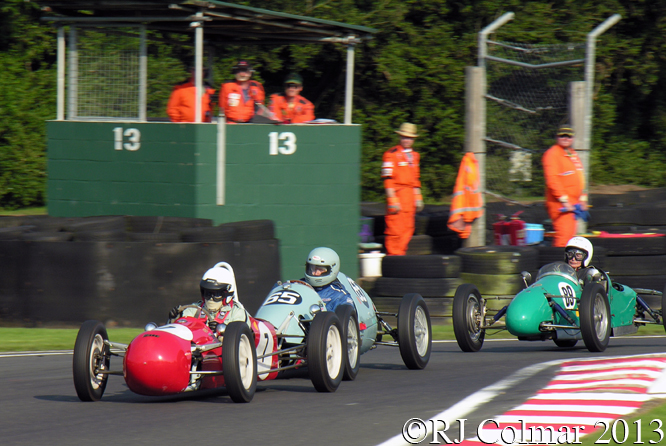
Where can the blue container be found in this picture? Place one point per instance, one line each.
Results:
(533, 233)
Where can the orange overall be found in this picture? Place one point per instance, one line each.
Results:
(299, 110)
(238, 106)
(181, 104)
(467, 202)
(401, 172)
(565, 182)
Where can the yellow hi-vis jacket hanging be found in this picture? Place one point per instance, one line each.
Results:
(467, 202)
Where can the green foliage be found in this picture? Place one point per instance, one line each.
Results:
(412, 70)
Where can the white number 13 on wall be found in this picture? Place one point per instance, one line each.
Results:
(288, 146)
(133, 136)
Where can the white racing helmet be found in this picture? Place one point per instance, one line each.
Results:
(218, 287)
(322, 267)
(584, 245)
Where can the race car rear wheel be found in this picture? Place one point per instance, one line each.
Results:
(467, 313)
(324, 352)
(350, 341)
(595, 319)
(91, 356)
(414, 331)
(239, 359)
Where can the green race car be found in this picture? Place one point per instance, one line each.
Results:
(559, 306)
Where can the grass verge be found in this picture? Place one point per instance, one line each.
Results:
(16, 339)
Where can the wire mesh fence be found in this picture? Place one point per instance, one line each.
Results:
(527, 98)
(107, 74)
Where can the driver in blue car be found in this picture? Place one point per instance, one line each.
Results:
(578, 254)
(321, 271)
(218, 296)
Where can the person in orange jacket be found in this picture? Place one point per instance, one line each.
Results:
(565, 185)
(181, 106)
(238, 98)
(401, 174)
(290, 107)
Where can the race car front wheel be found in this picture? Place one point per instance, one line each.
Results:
(595, 319)
(467, 313)
(414, 331)
(350, 341)
(324, 352)
(91, 357)
(239, 359)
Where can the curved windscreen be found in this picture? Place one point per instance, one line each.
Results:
(557, 268)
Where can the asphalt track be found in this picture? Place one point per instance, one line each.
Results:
(38, 404)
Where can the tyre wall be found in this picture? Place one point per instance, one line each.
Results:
(108, 278)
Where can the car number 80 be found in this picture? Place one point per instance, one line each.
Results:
(568, 294)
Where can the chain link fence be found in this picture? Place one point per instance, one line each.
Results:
(107, 74)
(527, 98)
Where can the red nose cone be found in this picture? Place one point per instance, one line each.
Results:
(157, 363)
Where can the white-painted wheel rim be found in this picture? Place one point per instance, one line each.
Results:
(600, 317)
(421, 334)
(473, 312)
(245, 362)
(96, 361)
(333, 351)
(352, 342)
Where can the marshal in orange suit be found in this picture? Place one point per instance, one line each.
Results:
(401, 174)
(565, 185)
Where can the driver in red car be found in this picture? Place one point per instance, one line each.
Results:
(578, 254)
(321, 271)
(219, 297)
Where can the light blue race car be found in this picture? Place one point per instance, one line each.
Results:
(291, 307)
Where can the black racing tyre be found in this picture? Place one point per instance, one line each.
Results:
(239, 359)
(615, 215)
(252, 230)
(213, 234)
(595, 318)
(420, 245)
(100, 236)
(395, 286)
(467, 307)
(325, 352)
(91, 355)
(96, 224)
(414, 332)
(663, 306)
(565, 343)
(46, 236)
(160, 237)
(635, 265)
(423, 267)
(630, 246)
(495, 284)
(351, 341)
(498, 259)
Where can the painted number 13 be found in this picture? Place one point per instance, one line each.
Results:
(288, 146)
(133, 137)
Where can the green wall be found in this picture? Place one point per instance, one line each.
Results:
(306, 178)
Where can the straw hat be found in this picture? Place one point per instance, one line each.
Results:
(407, 130)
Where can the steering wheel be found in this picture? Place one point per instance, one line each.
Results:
(184, 307)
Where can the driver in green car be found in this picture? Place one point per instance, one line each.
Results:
(578, 254)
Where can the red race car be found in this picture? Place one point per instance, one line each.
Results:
(186, 355)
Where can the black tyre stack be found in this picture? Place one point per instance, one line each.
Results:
(435, 277)
(495, 270)
(637, 260)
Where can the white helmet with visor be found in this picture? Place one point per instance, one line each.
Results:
(579, 248)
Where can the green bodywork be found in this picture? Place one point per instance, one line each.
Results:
(531, 307)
